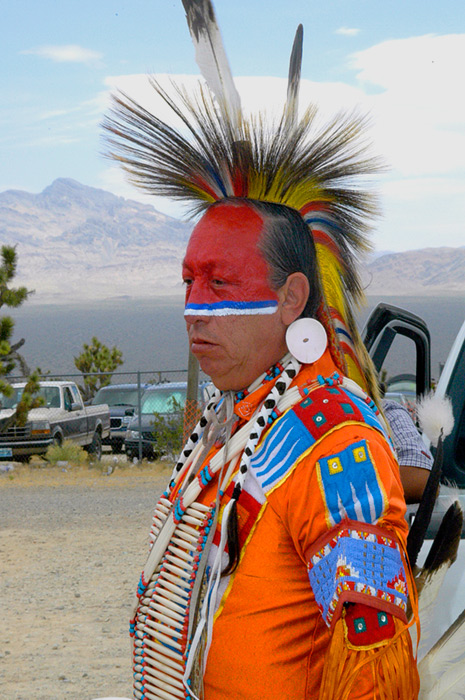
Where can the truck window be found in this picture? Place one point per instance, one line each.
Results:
(454, 444)
(76, 395)
(51, 396)
(13, 400)
(67, 397)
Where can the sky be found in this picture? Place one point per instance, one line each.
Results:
(401, 62)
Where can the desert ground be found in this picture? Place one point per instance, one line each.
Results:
(73, 541)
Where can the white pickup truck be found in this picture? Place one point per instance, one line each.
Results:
(401, 341)
(62, 416)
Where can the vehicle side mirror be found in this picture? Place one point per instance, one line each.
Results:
(75, 406)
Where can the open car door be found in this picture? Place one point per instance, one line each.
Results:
(399, 344)
(452, 384)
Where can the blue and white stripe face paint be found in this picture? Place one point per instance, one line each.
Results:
(224, 270)
(232, 308)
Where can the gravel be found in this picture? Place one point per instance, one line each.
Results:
(72, 544)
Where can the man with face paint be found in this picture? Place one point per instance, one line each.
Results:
(277, 567)
(234, 319)
(281, 575)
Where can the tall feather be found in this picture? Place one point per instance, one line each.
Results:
(211, 58)
(417, 533)
(293, 82)
(442, 671)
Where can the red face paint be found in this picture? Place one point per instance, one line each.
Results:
(223, 269)
(227, 296)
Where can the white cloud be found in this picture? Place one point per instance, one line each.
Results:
(419, 107)
(411, 87)
(70, 53)
(347, 31)
(426, 187)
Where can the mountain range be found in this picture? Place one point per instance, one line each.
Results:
(76, 242)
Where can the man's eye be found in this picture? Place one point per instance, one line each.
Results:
(218, 283)
(187, 281)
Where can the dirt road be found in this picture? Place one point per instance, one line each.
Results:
(72, 545)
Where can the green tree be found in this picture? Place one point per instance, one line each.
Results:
(9, 353)
(97, 363)
(168, 430)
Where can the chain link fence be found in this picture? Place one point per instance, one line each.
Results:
(149, 413)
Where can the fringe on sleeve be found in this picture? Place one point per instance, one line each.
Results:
(383, 671)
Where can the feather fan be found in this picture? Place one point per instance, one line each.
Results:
(442, 671)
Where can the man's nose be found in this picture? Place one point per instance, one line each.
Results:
(196, 318)
(197, 301)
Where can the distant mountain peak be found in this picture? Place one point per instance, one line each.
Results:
(76, 241)
(418, 272)
(79, 242)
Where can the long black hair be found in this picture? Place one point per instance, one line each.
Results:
(287, 246)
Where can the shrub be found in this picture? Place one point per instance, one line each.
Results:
(68, 451)
(168, 428)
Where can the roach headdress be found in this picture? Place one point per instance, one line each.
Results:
(317, 170)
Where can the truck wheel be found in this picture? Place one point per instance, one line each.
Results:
(58, 439)
(117, 446)
(95, 447)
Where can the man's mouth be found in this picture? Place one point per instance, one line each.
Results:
(199, 344)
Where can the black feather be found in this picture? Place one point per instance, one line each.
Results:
(293, 82)
(446, 542)
(417, 533)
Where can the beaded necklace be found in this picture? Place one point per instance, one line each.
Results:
(173, 620)
(179, 587)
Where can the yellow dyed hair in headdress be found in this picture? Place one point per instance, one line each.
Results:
(291, 161)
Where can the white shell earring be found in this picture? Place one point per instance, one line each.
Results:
(306, 339)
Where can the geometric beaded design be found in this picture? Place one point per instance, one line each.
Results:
(322, 409)
(350, 486)
(358, 564)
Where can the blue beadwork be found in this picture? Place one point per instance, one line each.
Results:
(350, 485)
(370, 567)
(178, 511)
(140, 587)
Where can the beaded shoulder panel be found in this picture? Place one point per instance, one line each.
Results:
(321, 410)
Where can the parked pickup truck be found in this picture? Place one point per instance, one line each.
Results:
(388, 327)
(63, 416)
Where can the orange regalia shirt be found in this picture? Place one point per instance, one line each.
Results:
(317, 605)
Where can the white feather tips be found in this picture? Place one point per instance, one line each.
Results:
(435, 416)
(211, 58)
(442, 671)
(449, 687)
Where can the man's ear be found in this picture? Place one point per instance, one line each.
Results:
(293, 296)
